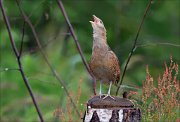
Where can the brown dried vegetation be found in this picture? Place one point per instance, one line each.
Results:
(161, 102)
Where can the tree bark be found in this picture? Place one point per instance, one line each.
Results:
(111, 110)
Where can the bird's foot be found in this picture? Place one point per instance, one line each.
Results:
(108, 95)
(101, 95)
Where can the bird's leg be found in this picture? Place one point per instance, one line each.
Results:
(109, 91)
(100, 90)
(94, 86)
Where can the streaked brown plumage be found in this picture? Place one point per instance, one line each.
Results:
(104, 64)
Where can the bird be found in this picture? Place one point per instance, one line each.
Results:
(104, 63)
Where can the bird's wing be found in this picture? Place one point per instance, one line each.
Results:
(114, 64)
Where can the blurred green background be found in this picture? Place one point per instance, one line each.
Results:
(160, 36)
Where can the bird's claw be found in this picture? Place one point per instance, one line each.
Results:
(101, 95)
(108, 96)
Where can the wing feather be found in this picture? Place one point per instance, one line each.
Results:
(114, 64)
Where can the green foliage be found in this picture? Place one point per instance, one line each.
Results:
(121, 19)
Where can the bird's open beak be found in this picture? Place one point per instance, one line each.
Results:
(95, 20)
(91, 22)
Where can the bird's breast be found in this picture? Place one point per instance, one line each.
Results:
(99, 65)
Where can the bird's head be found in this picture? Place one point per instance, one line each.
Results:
(98, 26)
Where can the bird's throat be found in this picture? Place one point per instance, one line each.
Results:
(99, 36)
(100, 43)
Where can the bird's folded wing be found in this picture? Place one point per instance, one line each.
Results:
(114, 64)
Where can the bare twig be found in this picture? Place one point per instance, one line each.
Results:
(76, 42)
(43, 81)
(134, 45)
(36, 49)
(8, 69)
(19, 62)
(26, 19)
(160, 43)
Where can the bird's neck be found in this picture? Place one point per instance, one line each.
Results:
(99, 40)
(99, 35)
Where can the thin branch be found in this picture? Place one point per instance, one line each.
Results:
(76, 41)
(160, 43)
(19, 62)
(36, 49)
(36, 8)
(8, 69)
(34, 78)
(134, 45)
(45, 57)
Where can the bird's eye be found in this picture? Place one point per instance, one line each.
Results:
(101, 22)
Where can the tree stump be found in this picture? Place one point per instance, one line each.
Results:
(111, 110)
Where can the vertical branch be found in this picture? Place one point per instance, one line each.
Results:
(76, 41)
(54, 72)
(19, 62)
(134, 45)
